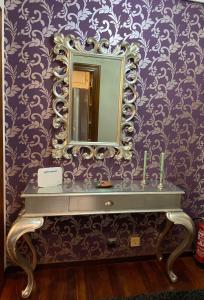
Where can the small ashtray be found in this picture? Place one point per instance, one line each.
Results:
(104, 184)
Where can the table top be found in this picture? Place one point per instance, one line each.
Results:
(119, 187)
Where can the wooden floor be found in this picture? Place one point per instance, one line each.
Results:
(104, 280)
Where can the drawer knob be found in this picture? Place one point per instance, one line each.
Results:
(109, 203)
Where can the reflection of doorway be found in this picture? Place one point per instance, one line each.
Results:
(85, 102)
(1, 166)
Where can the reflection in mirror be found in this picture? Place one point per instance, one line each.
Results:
(101, 102)
(95, 98)
(85, 102)
(80, 106)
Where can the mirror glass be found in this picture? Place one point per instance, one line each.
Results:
(97, 86)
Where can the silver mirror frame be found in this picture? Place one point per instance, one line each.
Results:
(64, 46)
(198, 1)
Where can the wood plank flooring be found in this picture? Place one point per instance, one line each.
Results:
(104, 280)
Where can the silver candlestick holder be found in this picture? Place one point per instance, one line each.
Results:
(161, 177)
(144, 182)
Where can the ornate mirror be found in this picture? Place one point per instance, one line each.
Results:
(94, 98)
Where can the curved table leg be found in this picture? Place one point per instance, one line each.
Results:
(179, 218)
(22, 226)
(167, 227)
(32, 249)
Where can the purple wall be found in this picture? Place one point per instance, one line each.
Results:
(170, 114)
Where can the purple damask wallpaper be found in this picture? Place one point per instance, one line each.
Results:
(170, 113)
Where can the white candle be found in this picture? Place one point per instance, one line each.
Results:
(161, 167)
(145, 166)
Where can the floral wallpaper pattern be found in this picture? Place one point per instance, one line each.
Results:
(170, 113)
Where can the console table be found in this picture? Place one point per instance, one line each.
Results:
(83, 198)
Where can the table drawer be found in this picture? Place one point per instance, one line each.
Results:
(56, 205)
(124, 202)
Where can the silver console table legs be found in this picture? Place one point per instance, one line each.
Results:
(24, 225)
(21, 227)
(177, 218)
